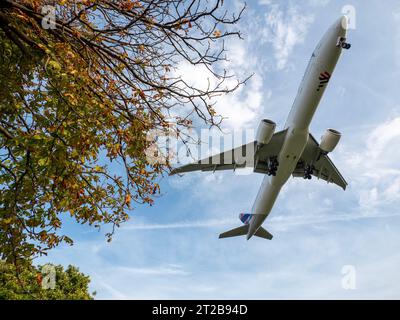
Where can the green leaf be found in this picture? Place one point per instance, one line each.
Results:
(43, 162)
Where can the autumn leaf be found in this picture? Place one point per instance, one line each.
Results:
(39, 278)
(128, 200)
(217, 33)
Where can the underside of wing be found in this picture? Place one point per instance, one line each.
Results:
(321, 165)
(239, 157)
(251, 154)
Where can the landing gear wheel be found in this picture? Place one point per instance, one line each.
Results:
(346, 46)
(341, 42)
(308, 171)
(273, 167)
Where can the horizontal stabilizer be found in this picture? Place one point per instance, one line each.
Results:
(240, 231)
(243, 230)
(262, 233)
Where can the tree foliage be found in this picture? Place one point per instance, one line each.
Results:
(84, 93)
(70, 284)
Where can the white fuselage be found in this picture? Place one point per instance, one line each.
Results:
(312, 87)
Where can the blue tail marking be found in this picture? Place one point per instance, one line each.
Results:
(245, 217)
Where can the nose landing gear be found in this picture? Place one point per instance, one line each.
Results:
(346, 45)
(342, 43)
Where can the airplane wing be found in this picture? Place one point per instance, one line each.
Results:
(323, 166)
(240, 157)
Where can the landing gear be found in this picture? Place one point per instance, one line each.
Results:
(308, 171)
(346, 45)
(273, 166)
(342, 43)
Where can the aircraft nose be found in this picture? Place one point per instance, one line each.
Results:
(340, 27)
(343, 22)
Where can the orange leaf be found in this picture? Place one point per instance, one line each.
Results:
(39, 278)
(128, 199)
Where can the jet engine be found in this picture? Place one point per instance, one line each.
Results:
(329, 140)
(265, 131)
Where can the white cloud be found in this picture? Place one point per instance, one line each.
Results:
(112, 293)
(373, 164)
(392, 193)
(320, 3)
(161, 270)
(368, 198)
(242, 106)
(282, 222)
(197, 76)
(284, 29)
(178, 225)
(383, 138)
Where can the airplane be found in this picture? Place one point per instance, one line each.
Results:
(292, 151)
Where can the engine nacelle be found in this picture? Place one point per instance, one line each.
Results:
(329, 140)
(265, 131)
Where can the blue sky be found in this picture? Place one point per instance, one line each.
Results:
(172, 250)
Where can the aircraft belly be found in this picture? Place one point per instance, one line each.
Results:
(289, 156)
(291, 151)
(266, 197)
(296, 139)
(309, 98)
(312, 89)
